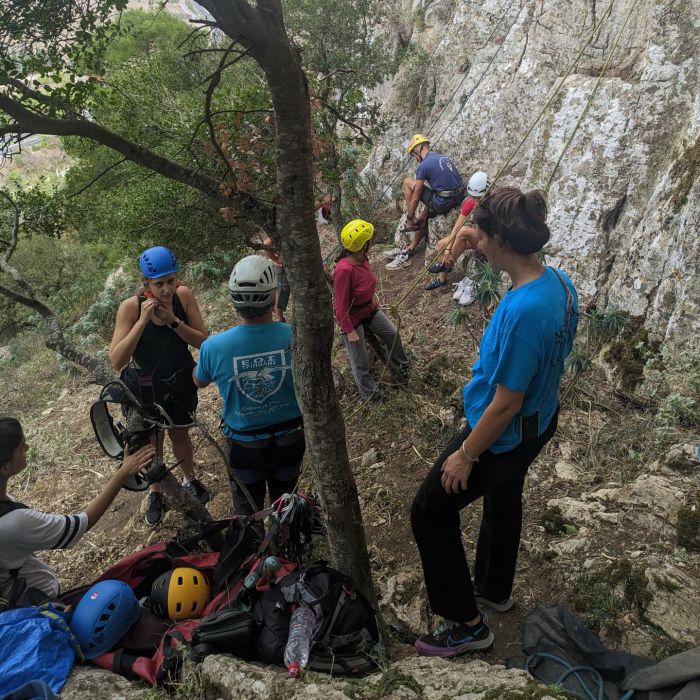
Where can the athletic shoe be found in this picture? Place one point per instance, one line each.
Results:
(197, 489)
(437, 267)
(454, 638)
(461, 287)
(403, 259)
(391, 253)
(435, 284)
(468, 295)
(155, 508)
(498, 605)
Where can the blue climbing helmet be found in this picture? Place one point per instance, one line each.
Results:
(158, 262)
(103, 616)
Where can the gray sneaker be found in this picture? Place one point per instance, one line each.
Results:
(403, 259)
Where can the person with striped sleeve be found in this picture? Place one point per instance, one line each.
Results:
(24, 578)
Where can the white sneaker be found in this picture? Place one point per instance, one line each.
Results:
(403, 259)
(391, 253)
(461, 287)
(468, 295)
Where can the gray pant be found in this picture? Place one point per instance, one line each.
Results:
(386, 331)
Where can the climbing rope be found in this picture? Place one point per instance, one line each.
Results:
(590, 98)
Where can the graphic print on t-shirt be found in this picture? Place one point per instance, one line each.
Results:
(261, 375)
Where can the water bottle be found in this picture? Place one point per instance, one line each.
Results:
(301, 631)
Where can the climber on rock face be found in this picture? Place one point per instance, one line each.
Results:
(437, 184)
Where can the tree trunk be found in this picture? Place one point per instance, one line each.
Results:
(313, 319)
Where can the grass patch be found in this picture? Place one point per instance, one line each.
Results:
(391, 679)
(602, 597)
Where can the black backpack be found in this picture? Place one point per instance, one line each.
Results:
(344, 641)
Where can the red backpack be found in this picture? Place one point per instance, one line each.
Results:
(152, 651)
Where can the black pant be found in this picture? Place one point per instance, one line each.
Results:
(499, 478)
(273, 463)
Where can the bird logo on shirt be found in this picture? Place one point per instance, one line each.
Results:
(260, 376)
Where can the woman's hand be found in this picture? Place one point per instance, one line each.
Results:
(353, 337)
(163, 313)
(447, 259)
(133, 463)
(148, 309)
(455, 472)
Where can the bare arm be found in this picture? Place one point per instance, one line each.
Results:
(131, 464)
(193, 332)
(128, 330)
(415, 198)
(198, 382)
(503, 408)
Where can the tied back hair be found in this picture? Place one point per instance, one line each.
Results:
(519, 218)
(10, 438)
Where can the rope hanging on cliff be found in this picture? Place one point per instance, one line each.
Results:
(590, 98)
(549, 101)
(395, 308)
(449, 101)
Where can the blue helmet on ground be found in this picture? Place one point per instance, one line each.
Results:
(158, 262)
(103, 616)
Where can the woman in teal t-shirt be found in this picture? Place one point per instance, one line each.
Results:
(511, 409)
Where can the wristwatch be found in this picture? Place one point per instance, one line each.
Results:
(174, 324)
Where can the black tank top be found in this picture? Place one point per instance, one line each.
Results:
(160, 352)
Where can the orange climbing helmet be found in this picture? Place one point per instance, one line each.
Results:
(417, 140)
(180, 594)
(355, 234)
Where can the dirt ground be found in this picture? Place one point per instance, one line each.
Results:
(408, 429)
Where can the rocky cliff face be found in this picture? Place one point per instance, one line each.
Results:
(625, 201)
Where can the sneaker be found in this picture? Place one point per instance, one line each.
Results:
(198, 490)
(453, 638)
(497, 605)
(435, 284)
(439, 267)
(403, 259)
(461, 287)
(392, 253)
(155, 508)
(468, 295)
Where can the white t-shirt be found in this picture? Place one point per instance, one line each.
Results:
(24, 531)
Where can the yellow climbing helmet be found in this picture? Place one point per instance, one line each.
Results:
(355, 234)
(417, 140)
(180, 594)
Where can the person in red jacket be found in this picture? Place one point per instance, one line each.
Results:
(356, 309)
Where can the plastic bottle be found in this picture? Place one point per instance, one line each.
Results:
(301, 630)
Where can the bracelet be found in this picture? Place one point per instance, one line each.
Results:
(467, 455)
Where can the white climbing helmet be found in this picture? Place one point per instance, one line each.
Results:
(253, 282)
(479, 182)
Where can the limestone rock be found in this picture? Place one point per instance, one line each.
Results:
(570, 545)
(403, 602)
(99, 684)
(370, 457)
(566, 471)
(624, 204)
(576, 512)
(233, 679)
(675, 603)
(655, 493)
(448, 415)
(438, 227)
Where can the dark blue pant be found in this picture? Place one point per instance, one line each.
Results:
(499, 478)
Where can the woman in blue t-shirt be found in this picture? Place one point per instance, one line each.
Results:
(511, 409)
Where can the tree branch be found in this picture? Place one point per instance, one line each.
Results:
(96, 178)
(14, 234)
(28, 121)
(350, 123)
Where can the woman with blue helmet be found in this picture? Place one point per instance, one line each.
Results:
(153, 332)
